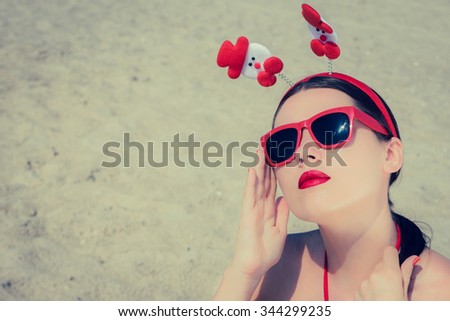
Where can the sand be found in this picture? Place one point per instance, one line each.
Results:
(75, 75)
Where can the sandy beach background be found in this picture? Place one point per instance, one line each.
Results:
(77, 74)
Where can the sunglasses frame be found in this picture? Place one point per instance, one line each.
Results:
(351, 111)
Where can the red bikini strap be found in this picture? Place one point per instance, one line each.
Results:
(325, 278)
(399, 237)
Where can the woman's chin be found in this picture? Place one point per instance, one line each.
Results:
(318, 209)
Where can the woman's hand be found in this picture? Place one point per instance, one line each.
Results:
(263, 225)
(261, 236)
(388, 281)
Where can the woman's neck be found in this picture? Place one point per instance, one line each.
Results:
(355, 247)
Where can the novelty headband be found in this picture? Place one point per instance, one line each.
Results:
(255, 61)
(362, 86)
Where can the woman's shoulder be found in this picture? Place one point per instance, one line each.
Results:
(431, 277)
(302, 252)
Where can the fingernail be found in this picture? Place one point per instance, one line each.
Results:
(416, 260)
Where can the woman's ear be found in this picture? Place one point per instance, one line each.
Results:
(394, 155)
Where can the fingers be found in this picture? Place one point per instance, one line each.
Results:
(362, 293)
(270, 182)
(260, 190)
(270, 191)
(260, 182)
(260, 169)
(281, 215)
(248, 200)
(390, 258)
(388, 281)
(407, 269)
(273, 184)
(267, 180)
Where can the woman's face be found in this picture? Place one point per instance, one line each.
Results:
(357, 179)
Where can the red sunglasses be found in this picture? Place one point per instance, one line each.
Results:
(329, 129)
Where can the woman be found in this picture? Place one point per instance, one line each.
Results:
(334, 169)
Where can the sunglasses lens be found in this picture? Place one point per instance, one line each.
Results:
(331, 129)
(281, 145)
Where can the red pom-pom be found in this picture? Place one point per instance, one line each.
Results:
(332, 50)
(273, 65)
(266, 79)
(233, 56)
(317, 47)
(329, 49)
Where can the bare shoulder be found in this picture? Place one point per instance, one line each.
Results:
(280, 282)
(431, 277)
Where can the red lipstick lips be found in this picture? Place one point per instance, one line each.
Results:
(312, 178)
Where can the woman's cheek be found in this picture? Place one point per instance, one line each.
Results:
(360, 179)
(355, 179)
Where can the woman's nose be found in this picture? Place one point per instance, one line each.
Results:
(308, 152)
